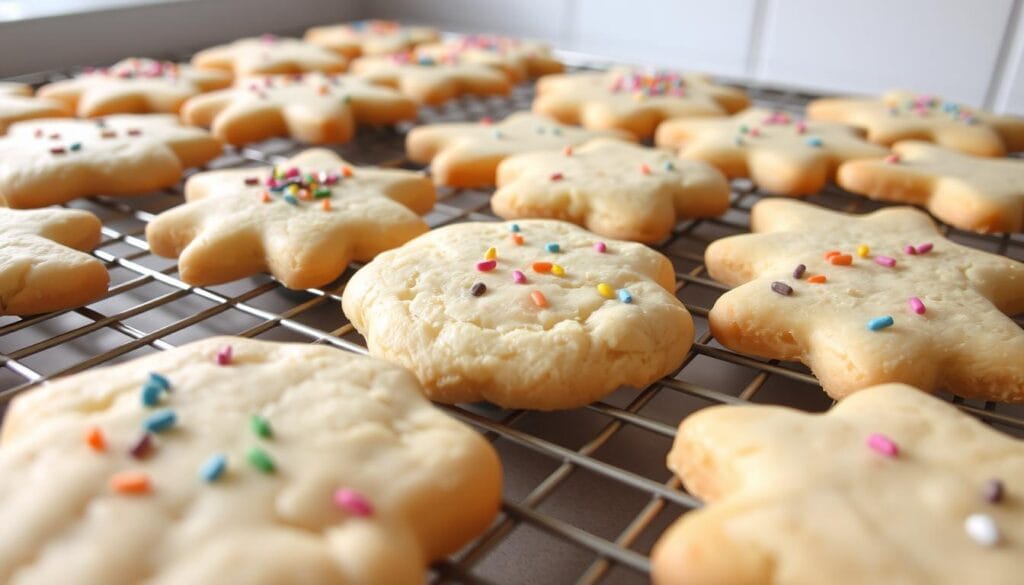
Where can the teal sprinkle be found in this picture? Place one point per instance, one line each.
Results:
(552, 247)
(290, 199)
(814, 141)
(213, 467)
(151, 394)
(624, 296)
(879, 323)
(514, 228)
(161, 381)
(669, 166)
(160, 421)
(76, 146)
(556, 131)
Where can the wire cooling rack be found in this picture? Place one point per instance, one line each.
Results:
(587, 492)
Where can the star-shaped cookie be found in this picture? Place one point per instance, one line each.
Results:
(633, 99)
(536, 314)
(313, 108)
(903, 115)
(779, 153)
(370, 37)
(43, 264)
(611, 187)
(303, 220)
(17, 104)
(890, 486)
(466, 155)
(518, 58)
(269, 54)
(256, 463)
(44, 162)
(870, 299)
(972, 193)
(134, 86)
(429, 82)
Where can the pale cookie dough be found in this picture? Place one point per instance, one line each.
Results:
(464, 154)
(313, 108)
(632, 99)
(899, 302)
(269, 54)
(44, 162)
(303, 220)
(903, 115)
(518, 58)
(43, 264)
(432, 83)
(272, 463)
(17, 104)
(612, 188)
(890, 486)
(537, 314)
(370, 37)
(134, 86)
(972, 193)
(778, 153)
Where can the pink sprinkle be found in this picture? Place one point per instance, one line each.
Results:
(557, 176)
(518, 277)
(755, 132)
(924, 248)
(292, 172)
(486, 265)
(916, 305)
(892, 159)
(908, 249)
(801, 127)
(486, 121)
(600, 247)
(883, 445)
(353, 502)
(224, 355)
(886, 261)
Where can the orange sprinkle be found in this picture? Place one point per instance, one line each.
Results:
(265, 197)
(323, 90)
(518, 239)
(568, 150)
(645, 169)
(325, 204)
(832, 253)
(95, 439)
(346, 171)
(841, 259)
(542, 267)
(538, 298)
(130, 482)
(304, 194)
(816, 279)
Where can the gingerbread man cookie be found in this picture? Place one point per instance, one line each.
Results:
(536, 314)
(903, 115)
(44, 162)
(313, 108)
(779, 153)
(269, 54)
(518, 58)
(43, 264)
(890, 486)
(969, 192)
(466, 155)
(429, 82)
(237, 461)
(865, 300)
(17, 104)
(632, 99)
(303, 220)
(612, 188)
(370, 37)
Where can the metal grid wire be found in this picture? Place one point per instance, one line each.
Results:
(587, 492)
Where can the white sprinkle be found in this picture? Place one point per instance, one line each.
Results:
(982, 529)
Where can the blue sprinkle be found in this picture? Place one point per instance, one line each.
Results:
(162, 382)
(76, 146)
(814, 141)
(151, 394)
(879, 323)
(556, 131)
(624, 296)
(291, 199)
(426, 61)
(160, 421)
(950, 107)
(213, 467)
(669, 166)
(552, 247)
(514, 228)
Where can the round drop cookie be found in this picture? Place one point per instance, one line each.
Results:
(890, 486)
(370, 37)
(238, 461)
(536, 314)
(871, 299)
(269, 54)
(430, 82)
(18, 104)
(613, 188)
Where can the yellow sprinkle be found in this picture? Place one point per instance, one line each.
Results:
(606, 291)
(863, 251)
(491, 254)
(557, 270)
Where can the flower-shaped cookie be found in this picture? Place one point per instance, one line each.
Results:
(467, 154)
(871, 299)
(903, 115)
(969, 192)
(632, 99)
(518, 58)
(134, 86)
(370, 37)
(536, 314)
(890, 486)
(313, 108)
(429, 82)
(269, 54)
(303, 220)
(231, 460)
(612, 188)
(780, 154)
(43, 266)
(43, 162)
(17, 104)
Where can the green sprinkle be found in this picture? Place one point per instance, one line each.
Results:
(321, 192)
(259, 459)
(260, 427)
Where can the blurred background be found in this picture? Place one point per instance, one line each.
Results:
(971, 52)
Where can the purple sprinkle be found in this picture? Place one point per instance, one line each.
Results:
(994, 491)
(886, 261)
(798, 272)
(141, 447)
(782, 288)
